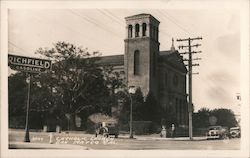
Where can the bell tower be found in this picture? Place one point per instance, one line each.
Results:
(141, 52)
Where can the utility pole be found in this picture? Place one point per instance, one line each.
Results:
(190, 73)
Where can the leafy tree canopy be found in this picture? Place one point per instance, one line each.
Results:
(17, 89)
(77, 84)
(225, 117)
(206, 117)
(76, 80)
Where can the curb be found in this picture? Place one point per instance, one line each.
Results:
(23, 145)
(170, 139)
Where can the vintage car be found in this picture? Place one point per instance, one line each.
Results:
(217, 132)
(108, 128)
(234, 132)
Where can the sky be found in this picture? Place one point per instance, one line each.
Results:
(103, 30)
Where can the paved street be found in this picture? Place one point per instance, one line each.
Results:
(80, 140)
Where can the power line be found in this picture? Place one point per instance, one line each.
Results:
(162, 31)
(172, 19)
(94, 23)
(16, 46)
(166, 34)
(78, 33)
(110, 15)
(190, 73)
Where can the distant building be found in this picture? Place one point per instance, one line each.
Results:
(145, 66)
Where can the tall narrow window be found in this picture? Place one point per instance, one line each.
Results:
(144, 29)
(137, 62)
(137, 30)
(130, 31)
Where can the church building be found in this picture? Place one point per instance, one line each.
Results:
(161, 72)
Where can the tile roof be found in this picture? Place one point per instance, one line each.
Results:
(166, 53)
(112, 60)
(119, 59)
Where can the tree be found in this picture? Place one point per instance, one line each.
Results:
(138, 105)
(152, 110)
(206, 117)
(137, 102)
(17, 96)
(17, 92)
(123, 100)
(113, 80)
(76, 82)
(201, 118)
(225, 117)
(148, 110)
(17, 89)
(76, 85)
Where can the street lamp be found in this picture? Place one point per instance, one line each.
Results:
(131, 90)
(27, 136)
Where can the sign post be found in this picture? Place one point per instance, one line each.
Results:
(29, 65)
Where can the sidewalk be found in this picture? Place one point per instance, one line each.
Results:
(173, 139)
(40, 140)
(121, 136)
(32, 145)
(154, 137)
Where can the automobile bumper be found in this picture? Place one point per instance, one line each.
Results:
(213, 137)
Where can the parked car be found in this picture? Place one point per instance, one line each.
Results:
(108, 128)
(235, 132)
(217, 132)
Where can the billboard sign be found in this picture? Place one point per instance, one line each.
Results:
(28, 64)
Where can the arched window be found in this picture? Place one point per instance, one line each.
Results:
(137, 30)
(144, 29)
(130, 31)
(137, 62)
